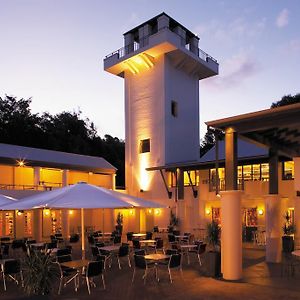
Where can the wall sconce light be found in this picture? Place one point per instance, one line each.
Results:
(207, 211)
(260, 211)
(157, 212)
(150, 211)
(20, 212)
(20, 163)
(71, 212)
(131, 212)
(46, 212)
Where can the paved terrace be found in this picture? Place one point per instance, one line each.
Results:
(261, 281)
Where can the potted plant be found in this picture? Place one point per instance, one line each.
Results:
(40, 274)
(214, 255)
(288, 234)
(174, 222)
(119, 221)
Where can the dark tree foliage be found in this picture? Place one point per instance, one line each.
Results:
(287, 100)
(65, 131)
(209, 140)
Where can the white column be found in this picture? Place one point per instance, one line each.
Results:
(36, 176)
(65, 223)
(231, 241)
(37, 224)
(65, 177)
(297, 197)
(274, 221)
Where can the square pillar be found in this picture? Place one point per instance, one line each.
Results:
(37, 224)
(162, 22)
(65, 223)
(129, 43)
(36, 176)
(65, 177)
(194, 45)
(144, 33)
(182, 33)
(273, 171)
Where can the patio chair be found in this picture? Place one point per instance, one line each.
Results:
(140, 252)
(136, 244)
(91, 240)
(62, 252)
(129, 236)
(123, 252)
(94, 269)
(108, 256)
(117, 239)
(74, 238)
(168, 252)
(174, 262)
(102, 258)
(199, 251)
(5, 250)
(141, 264)
(155, 229)
(67, 275)
(171, 238)
(95, 252)
(148, 235)
(11, 269)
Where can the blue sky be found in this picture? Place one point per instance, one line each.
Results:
(53, 52)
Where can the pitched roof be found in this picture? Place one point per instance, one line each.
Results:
(54, 159)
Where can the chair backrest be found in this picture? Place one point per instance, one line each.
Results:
(175, 261)
(74, 238)
(57, 264)
(101, 258)
(100, 244)
(171, 238)
(148, 235)
(29, 242)
(51, 245)
(12, 266)
(201, 248)
(95, 251)
(176, 232)
(94, 268)
(64, 258)
(91, 239)
(123, 251)
(159, 244)
(155, 229)
(171, 251)
(140, 261)
(5, 249)
(136, 244)
(129, 236)
(58, 235)
(5, 239)
(104, 252)
(17, 244)
(140, 252)
(61, 252)
(117, 239)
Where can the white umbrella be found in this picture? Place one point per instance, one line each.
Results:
(4, 200)
(81, 196)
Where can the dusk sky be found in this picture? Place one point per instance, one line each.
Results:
(53, 52)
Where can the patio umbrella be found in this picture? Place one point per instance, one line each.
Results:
(6, 200)
(81, 196)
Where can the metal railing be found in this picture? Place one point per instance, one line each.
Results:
(144, 42)
(29, 187)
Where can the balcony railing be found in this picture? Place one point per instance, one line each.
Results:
(30, 187)
(144, 42)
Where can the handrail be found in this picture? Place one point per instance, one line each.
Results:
(144, 41)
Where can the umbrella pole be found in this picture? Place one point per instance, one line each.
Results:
(82, 234)
(103, 220)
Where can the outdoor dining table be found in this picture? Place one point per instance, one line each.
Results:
(156, 257)
(139, 235)
(76, 264)
(112, 248)
(2, 262)
(37, 246)
(186, 248)
(147, 242)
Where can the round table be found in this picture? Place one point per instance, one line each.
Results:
(186, 248)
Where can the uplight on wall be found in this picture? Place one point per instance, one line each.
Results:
(150, 211)
(20, 212)
(47, 212)
(71, 212)
(21, 163)
(131, 212)
(157, 211)
(207, 211)
(260, 211)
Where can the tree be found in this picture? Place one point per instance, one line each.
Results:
(65, 131)
(209, 140)
(287, 100)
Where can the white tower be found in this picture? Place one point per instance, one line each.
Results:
(162, 65)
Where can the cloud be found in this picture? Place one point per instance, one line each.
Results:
(282, 19)
(293, 46)
(234, 72)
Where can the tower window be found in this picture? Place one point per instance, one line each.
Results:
(174, 109)
(145, 146)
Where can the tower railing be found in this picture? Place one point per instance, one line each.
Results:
(145, 40)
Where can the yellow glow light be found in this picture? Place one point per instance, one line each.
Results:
(21, 163)
(46, 212)
(19, 212)
(157, 211)
(144, 174)
(207, 211)
(150, 211)
(260, 211)
(71, 212)
(90, 173)
(131, 212)
(133, 69)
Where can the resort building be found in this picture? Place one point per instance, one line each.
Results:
(25, 171)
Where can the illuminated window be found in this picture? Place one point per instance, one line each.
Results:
(264, 172)
(247, 172)
(256, 172)
(288, 170)
(193, 178)
(174, 109)
(145, 146)
(213, 179)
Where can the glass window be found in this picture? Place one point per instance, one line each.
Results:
(247, 172)
(216, 214)
(145, 146)
(288, 170)
(256, 172)
(192, 176)
(174, 109)
(264, 172)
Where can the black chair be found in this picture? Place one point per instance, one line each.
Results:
(51, 245)
(199, 251)
(123, 252)
(141, 263)
(129, 236)
(176, 232)
(159, 245)
(100, 244)
(30, 242)
(5, 250)
(11, 269)
(102, 258)
(95, 252)
(171, 238)
(148, 235)
(108, 256)
(140, 252)
(94, 269)
(62, 252)
(117, 239)
(155, 229)
(91, 240)
(67, 275)
(136, 244)
(168, 252)
(74, 238)
(171, 251)
(174, 262)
